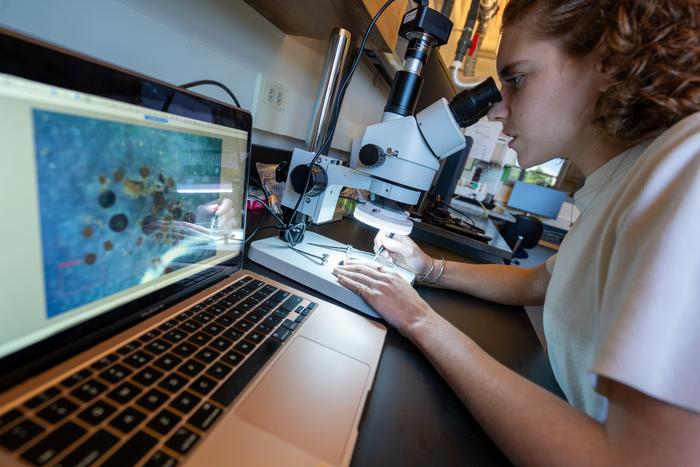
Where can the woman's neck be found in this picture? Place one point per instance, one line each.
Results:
(596, 152)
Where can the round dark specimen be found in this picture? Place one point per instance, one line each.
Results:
(87, 232)
(102, 179)
(118, 175)
(147, 225)
(158, 199)
(177, 213)
(190, 217)
(118, 222)
(107, 199)
(144, 171)
(108, 245)
(90, 258)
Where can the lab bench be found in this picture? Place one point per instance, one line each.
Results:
(413, 418)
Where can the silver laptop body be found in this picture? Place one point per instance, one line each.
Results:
(130, 334)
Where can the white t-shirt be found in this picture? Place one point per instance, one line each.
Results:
(624, 298)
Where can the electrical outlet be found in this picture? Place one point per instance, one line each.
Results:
(274, 94)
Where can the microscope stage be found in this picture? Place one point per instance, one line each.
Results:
(304, 265)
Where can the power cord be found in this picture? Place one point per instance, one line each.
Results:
(441, 216)
(294, 232)
(169, 100)
(211, 82)
(280, 225)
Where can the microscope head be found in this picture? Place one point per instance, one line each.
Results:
(396, 159)
(402, 154)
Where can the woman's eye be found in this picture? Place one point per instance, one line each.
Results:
(515, 81)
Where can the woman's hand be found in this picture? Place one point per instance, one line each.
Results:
(403, 251)
(385, 291)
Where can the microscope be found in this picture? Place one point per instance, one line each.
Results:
(394, 160)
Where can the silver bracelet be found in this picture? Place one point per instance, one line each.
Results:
(430, 269)
(439, 275)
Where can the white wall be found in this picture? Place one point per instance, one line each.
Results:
(184, 40)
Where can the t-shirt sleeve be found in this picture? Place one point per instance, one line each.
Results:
(650, 304)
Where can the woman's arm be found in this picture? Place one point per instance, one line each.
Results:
(508, 285)
(497, 283)
(534, 427)
(529, 424)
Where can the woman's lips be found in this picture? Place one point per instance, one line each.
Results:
(510, 143)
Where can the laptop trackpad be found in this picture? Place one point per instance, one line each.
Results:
(310, 398)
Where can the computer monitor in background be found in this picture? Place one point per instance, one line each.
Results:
(535, 199)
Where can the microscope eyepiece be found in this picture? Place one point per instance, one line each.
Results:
(471, 104)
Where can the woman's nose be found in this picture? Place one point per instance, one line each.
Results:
(498, 112)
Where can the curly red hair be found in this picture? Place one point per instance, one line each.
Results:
(650, 50)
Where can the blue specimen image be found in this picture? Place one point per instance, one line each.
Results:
(110, 212)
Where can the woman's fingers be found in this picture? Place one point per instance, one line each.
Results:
(360, 275)
(349, 283)
(224, 205)
(187, 226)
(225, 220)
(374, 271)
(395, 245)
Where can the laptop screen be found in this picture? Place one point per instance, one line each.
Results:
(105, 202)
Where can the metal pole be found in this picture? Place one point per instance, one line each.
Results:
(338, 47)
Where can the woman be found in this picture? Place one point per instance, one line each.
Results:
(615, 87)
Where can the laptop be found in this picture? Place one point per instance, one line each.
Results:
(130, 333)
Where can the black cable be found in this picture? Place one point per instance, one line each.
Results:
(351, 199)
(472, 224)
(442, 216)
(212, 83)
(258, 229)
(332, 125)
(449, 206)
(263, 188)
(465, 40)
(280, 223)
(269, 209)
(447, 6)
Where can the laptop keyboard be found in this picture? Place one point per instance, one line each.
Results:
(156, 396)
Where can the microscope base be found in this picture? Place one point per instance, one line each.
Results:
(274, 254)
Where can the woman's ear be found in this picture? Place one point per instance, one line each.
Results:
(597, 56)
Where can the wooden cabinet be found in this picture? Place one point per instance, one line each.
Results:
(317, 18)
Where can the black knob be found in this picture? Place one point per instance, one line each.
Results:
(372, 155)
(281, 172)
(317, 182)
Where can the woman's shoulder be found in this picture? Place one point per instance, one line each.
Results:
(667, 173)
(679, 141)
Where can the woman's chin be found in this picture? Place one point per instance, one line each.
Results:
(527, 161)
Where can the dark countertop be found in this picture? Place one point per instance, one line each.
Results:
(413, 418)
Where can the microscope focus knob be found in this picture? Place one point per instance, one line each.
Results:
(372, 155)
(317, 182)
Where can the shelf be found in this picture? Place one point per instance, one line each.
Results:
(318, 18)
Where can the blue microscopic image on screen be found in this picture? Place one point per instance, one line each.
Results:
(111, 217)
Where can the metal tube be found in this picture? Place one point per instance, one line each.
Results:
(338, 47)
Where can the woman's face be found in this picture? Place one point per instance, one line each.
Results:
(548, 97)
